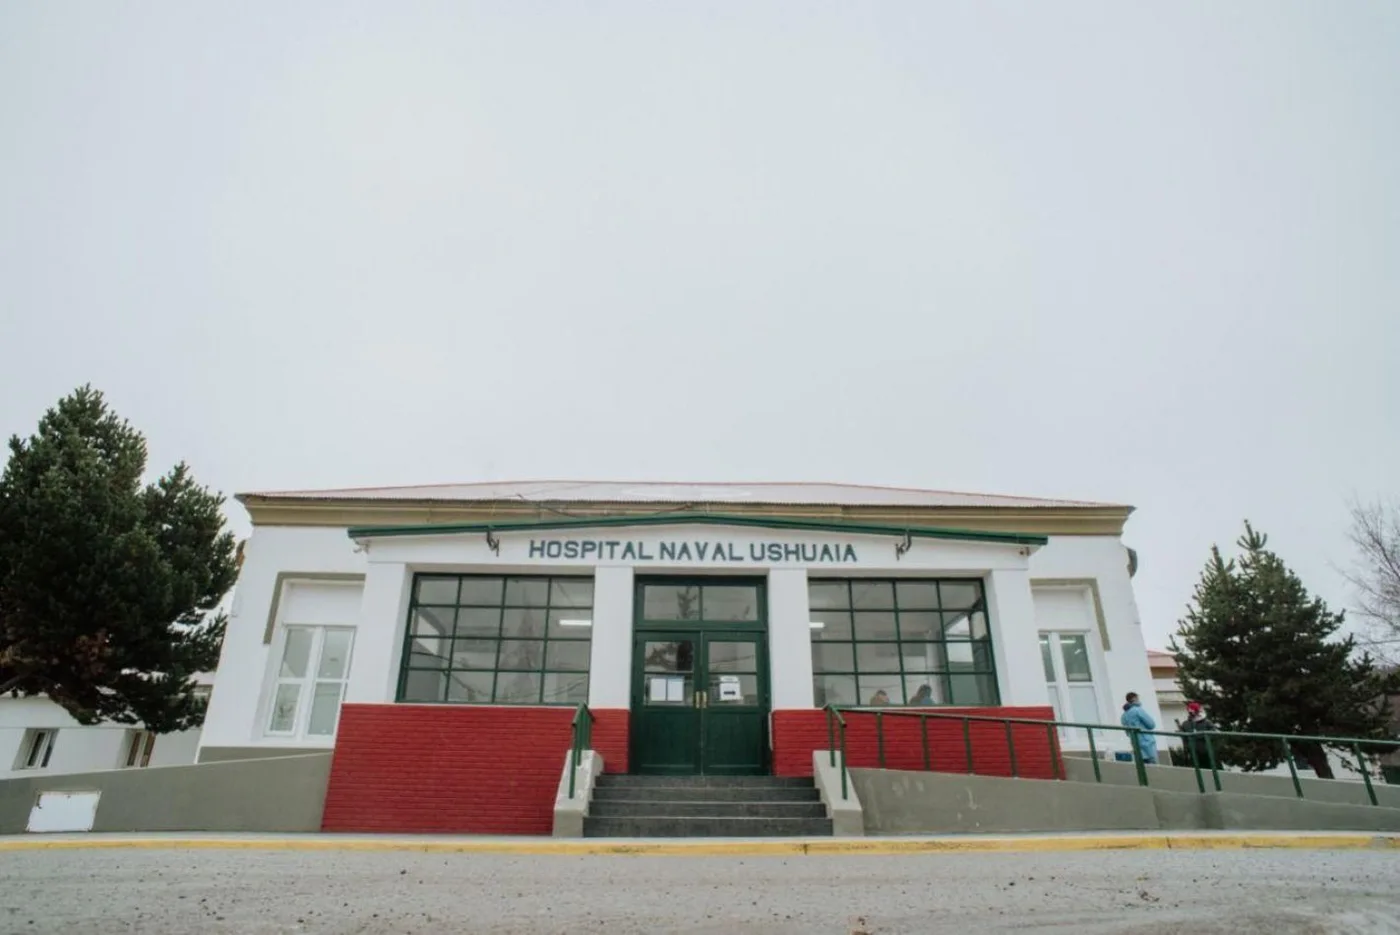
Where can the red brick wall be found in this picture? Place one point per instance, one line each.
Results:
(797, 732)
(463, 769)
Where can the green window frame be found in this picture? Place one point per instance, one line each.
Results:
(497, 639)
(922, 642)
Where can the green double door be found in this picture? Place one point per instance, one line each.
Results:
(700, 686)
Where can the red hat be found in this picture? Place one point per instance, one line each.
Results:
(1193, 706)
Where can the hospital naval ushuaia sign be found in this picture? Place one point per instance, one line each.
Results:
(715, 552)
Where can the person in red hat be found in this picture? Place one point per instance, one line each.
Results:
(1196, 724)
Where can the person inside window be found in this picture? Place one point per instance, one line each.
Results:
(923, 697)
(880, 699)
(1135, 717)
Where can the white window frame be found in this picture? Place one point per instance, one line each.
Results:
(307, 683)
(1075, 737)
(30, 748)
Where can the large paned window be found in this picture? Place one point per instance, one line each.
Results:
(498, 640)
(901, 642)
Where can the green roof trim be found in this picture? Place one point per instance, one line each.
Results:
(709, 519)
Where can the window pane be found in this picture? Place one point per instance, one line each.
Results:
(872, 595)
(435, 590)
(325, 709)
(959, 595)
(876, 626)
(669, 656)
(1074, 649)
(834, 625)
(1085, 703)
(920, 626)
(1046, 662)
(518, 688)
(970, 656)
(470, 687)
(297, 653)
(433, 621)
(428, 653)
(957, 626)
(834, 689)
(284, 709)
(733, 690)
(925, 688)
(569, 657)
(521, 654)
(483, 591)
(670, 602)
(571, 623)
(478, 621)
(335, 654)
(973, 689)
(730, 603)
(834, 657)
(877, 657)
(1055, 703)
(571, 592)
(474, 654)
(880, 690)
(522, 621)
(924, 657)
(979, 625)
(565, 688)
(527, 592)
(829, 595)
(420, 685)
(916, 595)
(734, 656)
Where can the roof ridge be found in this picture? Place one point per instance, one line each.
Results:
(669, 483)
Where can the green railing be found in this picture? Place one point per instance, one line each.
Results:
(583, 737)
(834, 716)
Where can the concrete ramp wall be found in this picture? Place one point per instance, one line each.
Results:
(276, 794)
(1181, 779)
(906, 802)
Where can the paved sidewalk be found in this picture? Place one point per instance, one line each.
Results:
(697, 847)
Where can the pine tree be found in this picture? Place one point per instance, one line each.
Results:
(1263, 656)
(108, 588)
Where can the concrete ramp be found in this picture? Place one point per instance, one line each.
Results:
(907, 802)
(279, 794)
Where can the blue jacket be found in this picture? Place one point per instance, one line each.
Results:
(1135, 716)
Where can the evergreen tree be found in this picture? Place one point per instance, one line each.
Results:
(1262, 656)
(108, 588)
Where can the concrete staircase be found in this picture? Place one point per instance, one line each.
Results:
(704, 806)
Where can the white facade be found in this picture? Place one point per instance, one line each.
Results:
(310, 578)
(69, 747)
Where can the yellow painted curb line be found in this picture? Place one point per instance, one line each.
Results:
(850, 846)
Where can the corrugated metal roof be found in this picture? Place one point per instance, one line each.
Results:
(652, 492)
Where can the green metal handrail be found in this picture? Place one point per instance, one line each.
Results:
(834, 714)
(582, 740)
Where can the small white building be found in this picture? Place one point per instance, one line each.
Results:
(39, 737)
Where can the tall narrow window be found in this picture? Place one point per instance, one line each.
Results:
(901, 642)
(310, 681)
(140, 744)
(492, 640)
(36, 748)
(1069, 680)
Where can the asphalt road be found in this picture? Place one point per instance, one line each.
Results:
(154, 892)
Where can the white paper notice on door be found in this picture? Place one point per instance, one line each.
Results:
(656, 689)
(675, 690)
(729, 688)
(663, 689)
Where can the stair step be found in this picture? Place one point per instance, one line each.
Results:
(630, 808)
(736, 794)
(705, 782)
(677, 827)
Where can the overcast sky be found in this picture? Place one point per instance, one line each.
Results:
(1143, 253)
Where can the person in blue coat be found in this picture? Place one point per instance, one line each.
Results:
(1135, 716)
